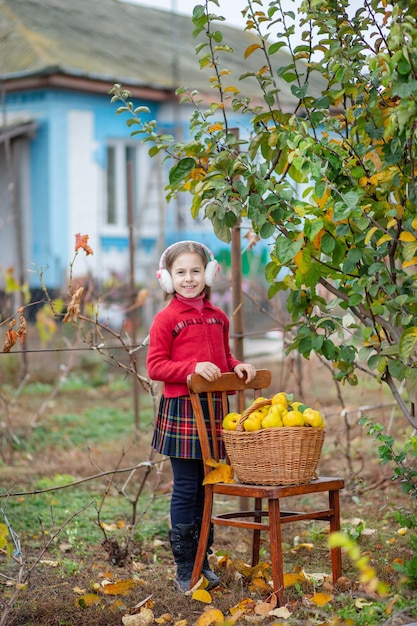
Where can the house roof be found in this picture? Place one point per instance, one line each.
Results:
(96, 43)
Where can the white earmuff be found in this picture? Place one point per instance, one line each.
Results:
(165, 280)
(210, 275)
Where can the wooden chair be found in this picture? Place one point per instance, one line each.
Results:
(257, 519)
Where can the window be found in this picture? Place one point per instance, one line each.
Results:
(122, 159)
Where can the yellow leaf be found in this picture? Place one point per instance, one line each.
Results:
(410, 263)
(165, 618)
(414, 223)
(202, 583)
(87, 600)
(320, 599)
(369, 234)
(202, 596)
(222, 473)
(244, 606)
(209, 617)
(406, 236)
(4, 532)
(293, 578)
(181, 622)
(251, 49)
(259, 584)
(231, 89)
(303, 546)
(119, 588)
(383, 239)
(215, 127)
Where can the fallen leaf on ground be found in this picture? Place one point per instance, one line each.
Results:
(245, 605)
(200, 584)
(209, 618)
(320, 599)
(281, 612)
(144, 618)
(119, 588)
(317, 578)
(87, 600)
(292, 578)
(146, 603)
(303, 546)
(166, 618)
(361, 602)
(265, 608)
(202, 596)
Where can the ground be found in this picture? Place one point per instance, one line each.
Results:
(57, 591)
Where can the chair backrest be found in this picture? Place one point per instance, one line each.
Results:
(234, 393)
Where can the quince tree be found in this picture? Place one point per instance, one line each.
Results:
(330, 180)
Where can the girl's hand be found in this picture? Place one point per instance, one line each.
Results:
(208, 370)
(246, 369)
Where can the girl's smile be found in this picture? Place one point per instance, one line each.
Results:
(188, 274)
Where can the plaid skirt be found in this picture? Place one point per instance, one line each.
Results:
(175, 432)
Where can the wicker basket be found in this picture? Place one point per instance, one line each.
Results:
(273, 456)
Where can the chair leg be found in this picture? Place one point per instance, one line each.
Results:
(256, 535)
(204, 536)
(336, 553)
(275, 540)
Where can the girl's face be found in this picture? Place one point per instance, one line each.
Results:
(187, 273)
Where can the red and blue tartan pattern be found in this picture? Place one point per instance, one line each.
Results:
(175, 432)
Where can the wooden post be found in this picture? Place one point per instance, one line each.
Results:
(237, 294)
(132, 290)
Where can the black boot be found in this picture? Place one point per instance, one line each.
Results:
(184, 540)
(213, 580)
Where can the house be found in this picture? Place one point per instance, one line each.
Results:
(67, 162)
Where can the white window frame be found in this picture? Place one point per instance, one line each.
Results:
(120, 224)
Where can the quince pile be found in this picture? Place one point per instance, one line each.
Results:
(281, 412)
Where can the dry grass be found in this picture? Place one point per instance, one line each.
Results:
(51, 597)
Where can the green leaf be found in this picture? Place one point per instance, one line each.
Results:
(407, 342)
(178, 173)
(276, 46)
(299, 92)
(411, 384)
(286, 249)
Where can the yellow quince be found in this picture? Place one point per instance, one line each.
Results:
(253, 421)
(293, 418)
(272, 420)
(313, 418)
(280, 398)
(231, 420)
(278, 409)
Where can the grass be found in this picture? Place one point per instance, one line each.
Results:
(88, 428)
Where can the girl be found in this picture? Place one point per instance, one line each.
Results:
(190, 335)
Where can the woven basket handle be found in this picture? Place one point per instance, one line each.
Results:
(248, 411)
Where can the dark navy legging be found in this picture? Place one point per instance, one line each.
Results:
(187, 499)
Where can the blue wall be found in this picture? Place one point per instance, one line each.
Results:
(49, 166)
